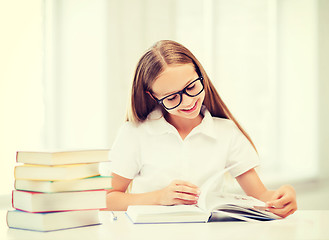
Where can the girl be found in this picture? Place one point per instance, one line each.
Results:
(178, 134)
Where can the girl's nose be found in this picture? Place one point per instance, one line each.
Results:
(186, 100)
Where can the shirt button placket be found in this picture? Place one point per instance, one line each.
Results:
(185, 160)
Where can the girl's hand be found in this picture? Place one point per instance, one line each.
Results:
(179, 192)
(283, 201)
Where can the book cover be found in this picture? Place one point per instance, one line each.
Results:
(51, 221)
(61, 158)
(63, 201)
(92, 183)
(166, 214)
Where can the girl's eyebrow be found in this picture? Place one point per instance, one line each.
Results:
(191, 80)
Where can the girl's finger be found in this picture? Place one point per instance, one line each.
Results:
(283, 212)
(186, 189)
(184, 196)
(279, 203)
(184, 202)
(291, 211)
(181, 182)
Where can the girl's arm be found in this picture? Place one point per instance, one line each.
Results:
(281, 201)
(177, 192)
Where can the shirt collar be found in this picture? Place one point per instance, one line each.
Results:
(207, 126)
(157, 124)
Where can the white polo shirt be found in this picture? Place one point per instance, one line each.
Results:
(153, 153)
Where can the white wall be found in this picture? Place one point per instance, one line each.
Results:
(298, 76)
(65, 80)
(21, 98)
(323, 87)
(76, 74)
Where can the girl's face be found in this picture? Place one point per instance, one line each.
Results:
(174, 79)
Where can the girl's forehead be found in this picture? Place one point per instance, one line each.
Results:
(174, 78)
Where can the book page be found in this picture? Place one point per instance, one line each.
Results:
(218, 201)
(210, 200)
(206, 188)
(238, 205)
(159, 209)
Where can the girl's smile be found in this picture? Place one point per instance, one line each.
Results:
(192, 109)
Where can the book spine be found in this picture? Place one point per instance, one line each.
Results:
(32, 192)
(7, 219)
(12, 198)
(15, 172)
(57, 211)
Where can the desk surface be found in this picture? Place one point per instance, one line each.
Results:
(301, 225)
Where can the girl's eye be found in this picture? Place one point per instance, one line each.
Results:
(190, 87)
(172, 98)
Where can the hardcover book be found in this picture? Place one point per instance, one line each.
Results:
(61, 158)
(51, 221)
(58, 172)
(63, 201)
(92, 183)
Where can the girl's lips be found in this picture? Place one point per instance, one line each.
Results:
(191, 109)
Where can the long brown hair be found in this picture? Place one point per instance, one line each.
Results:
(154, 62)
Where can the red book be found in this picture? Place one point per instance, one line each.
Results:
(62, 201)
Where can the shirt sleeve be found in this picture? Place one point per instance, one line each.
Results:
(241, 154)
(124, 154)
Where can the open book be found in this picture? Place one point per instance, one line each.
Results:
(212, 206)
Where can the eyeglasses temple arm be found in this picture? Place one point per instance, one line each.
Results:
(152, 96)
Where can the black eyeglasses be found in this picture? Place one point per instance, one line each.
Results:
(175, 99)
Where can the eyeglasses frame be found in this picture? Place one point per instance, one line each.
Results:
(183, 91)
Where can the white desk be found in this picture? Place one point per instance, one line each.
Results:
(302, 225)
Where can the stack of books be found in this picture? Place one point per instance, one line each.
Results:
(58, 190)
